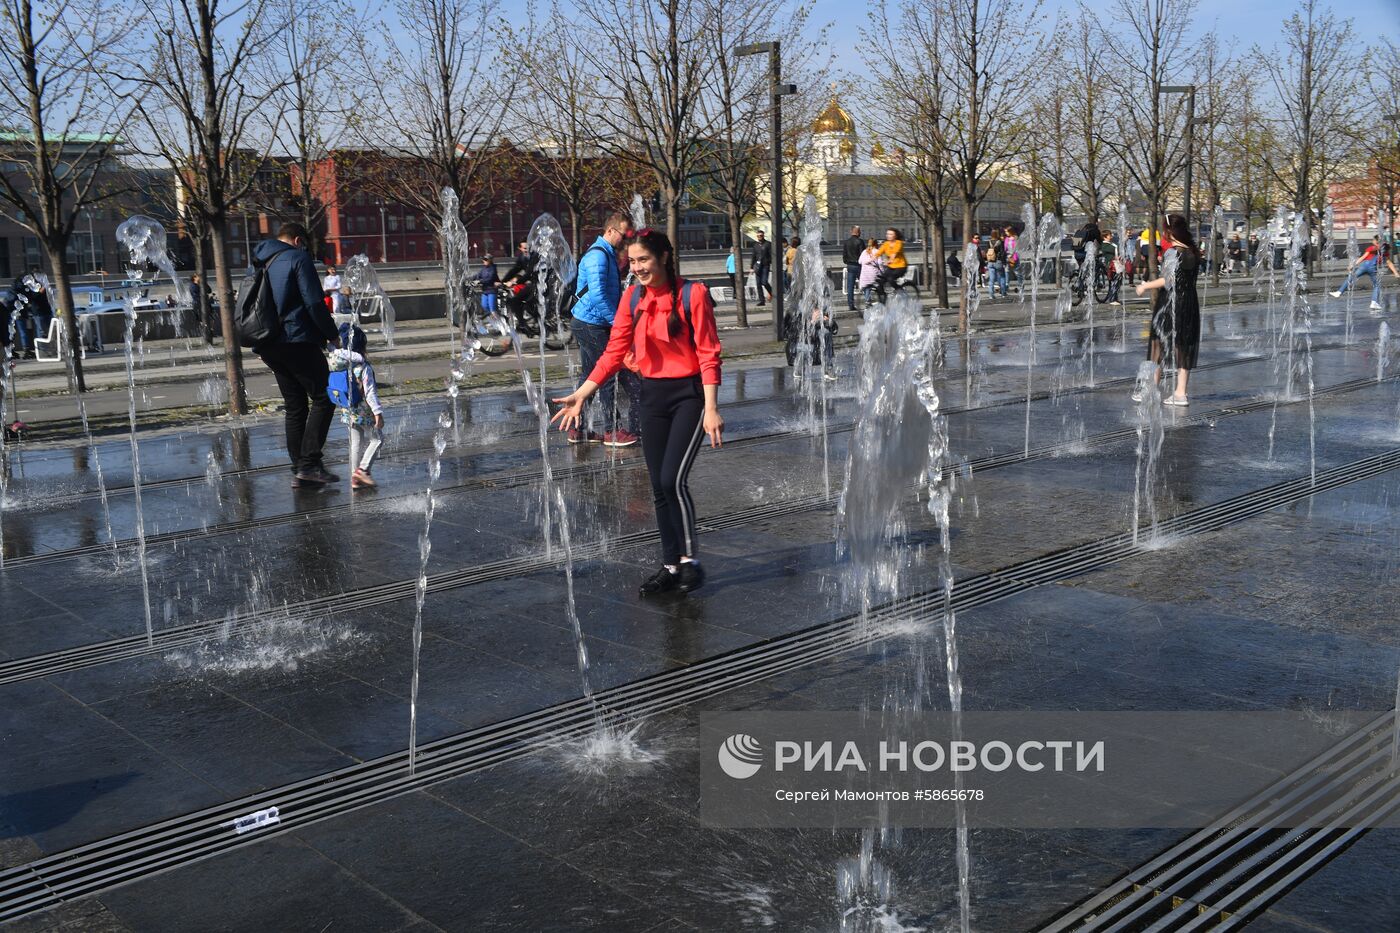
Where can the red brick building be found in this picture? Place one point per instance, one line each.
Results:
(362, 215)
(1355, 201)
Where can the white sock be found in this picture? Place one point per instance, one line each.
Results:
(689, 560)
(672, 567)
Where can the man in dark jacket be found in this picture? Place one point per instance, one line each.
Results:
(850, 255)
(297, 357)
(761, 261)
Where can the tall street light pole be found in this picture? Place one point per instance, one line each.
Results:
(777, 92)
(1190, 91)
(383, 236)
(1394, 120)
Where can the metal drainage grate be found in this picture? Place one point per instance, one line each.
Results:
(1224, 875)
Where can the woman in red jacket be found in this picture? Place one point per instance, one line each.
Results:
(668, 326)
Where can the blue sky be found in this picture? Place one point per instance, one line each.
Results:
(1248, 22)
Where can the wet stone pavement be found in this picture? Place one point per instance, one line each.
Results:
(282, 651)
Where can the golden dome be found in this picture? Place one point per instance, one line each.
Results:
(834, 120)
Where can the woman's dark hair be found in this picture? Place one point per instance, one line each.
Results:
(898, 233)
(659, 246)
(1180, 232)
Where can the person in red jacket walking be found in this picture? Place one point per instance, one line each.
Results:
(667, 325)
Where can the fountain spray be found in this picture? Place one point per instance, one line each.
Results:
(811, 302)
(899, 437)
(145, 241)
(1299, 322)
(1031, 234)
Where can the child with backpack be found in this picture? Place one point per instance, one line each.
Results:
(353, 389)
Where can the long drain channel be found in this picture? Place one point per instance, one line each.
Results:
(192, 633)
(1226, 874)
(513, 479)
(129, 856)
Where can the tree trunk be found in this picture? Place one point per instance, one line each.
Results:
(672, 195)
(940, 268)
(233, 354)
(576, 231)
(201, 294)
(63, 291)
(736, 238)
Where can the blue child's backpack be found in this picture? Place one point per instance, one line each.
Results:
(342, 387)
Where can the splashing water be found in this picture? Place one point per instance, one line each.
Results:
(972, 297)
(1382, 350)
(455, 266)
(1329, 226)
(1150, 433)
(145, 240)
(1031, 233)
(1353, 254)
(1125, 255)
(811, 301)
(367, 296)
(1298, 319)
(899, 437)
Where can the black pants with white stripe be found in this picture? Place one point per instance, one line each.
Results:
(672, 411)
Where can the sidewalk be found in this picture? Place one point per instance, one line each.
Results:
(183, 380)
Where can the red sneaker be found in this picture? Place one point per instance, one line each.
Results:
(619, 438)
(579, 437)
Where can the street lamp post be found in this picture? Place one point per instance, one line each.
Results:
(383, 236)
(92, 246)
(1394, 120)
(777, 92)
(1190, 91)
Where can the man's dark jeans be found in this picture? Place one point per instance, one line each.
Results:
(760, 278)
(592, 341)
(302, 374)
(852, 276)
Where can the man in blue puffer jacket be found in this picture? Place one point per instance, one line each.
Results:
(599, 273)
(297, 358)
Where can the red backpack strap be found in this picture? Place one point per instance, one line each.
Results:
(685, 308)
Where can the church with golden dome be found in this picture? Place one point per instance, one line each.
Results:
(854, 184)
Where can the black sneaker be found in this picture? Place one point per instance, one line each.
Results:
(663, 581)
(692, 576)
(317, 476)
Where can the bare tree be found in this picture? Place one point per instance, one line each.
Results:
(905, 46)
(205, 94)
(313, 103)
(1217, 83)
(1311, 79)
(1247, 149)
(1151, 48)
(558, 113)
(654, 64)
(1380, 139)
(433, 101)
(1086, 111)
(59, 155)
(984, 47)
(737, 107)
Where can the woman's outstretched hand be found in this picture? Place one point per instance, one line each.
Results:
(714, 426)
(570, 410)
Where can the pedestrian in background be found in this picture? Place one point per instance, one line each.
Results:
(851, 251)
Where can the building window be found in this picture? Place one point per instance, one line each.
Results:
(33, 258)
(393, 224)
(410, 224)
(237, 255)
